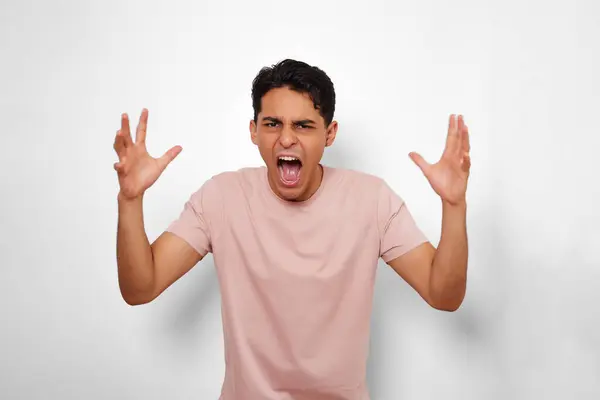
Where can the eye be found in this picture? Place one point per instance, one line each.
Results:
(271, 124)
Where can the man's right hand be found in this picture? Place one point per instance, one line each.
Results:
(137, 170)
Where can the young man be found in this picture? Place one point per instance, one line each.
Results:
(295, 243)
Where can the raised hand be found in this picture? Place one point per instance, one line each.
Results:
(137, 170)
(449, 176)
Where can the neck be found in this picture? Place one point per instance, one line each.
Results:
(315, 183)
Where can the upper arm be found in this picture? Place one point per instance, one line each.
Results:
(173, 257)
(187, 239)
(415, 268)
(403, 246)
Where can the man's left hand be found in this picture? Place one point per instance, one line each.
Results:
(449, 176)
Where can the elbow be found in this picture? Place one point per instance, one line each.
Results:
(449, 300)
(136, 301)
(137, 292)
(136, 298)
(448, 307)
(132, 301)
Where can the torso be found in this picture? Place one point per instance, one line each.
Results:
(296, 283)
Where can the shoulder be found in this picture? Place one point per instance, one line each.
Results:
(235, 180)
(354, 180)
(365, 188)
(210, 197)
(229, 184)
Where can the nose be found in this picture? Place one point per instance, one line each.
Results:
(288, 137)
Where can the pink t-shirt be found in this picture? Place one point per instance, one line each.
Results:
(296, 279)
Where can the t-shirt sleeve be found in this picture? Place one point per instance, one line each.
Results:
(398, 230)
(195, 223)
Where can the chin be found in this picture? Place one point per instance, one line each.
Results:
(289, 196)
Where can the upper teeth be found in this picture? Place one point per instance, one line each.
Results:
(287, 158)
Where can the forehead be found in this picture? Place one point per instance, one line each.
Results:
(287, 103)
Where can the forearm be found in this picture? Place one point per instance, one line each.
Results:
(134, 254)
(449, 270)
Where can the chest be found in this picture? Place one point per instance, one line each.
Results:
(319, 243)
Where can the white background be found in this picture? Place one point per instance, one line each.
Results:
(525, 74)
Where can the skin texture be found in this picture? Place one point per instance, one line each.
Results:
(136, 169)
(144, 270)
(283, 126)
(440, 275)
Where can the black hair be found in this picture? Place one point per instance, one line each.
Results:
(298, 76)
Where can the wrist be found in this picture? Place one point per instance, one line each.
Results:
(459, 206)
(125, 201)
(458, 203)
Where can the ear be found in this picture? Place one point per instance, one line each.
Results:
(331, 133)
(253, 133)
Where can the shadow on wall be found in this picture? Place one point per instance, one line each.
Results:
(469, 339)
(180, 323)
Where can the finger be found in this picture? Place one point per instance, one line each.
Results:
(140, 134)
(125, 130)
(420, 161)
(119, 167)
(466, 141)
(460, 123)
(119, 144)
(168, 157)
(453, 139)
(122, 167)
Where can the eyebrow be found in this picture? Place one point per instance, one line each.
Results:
(300, 122)
(304, 122)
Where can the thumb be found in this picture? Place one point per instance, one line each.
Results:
(420, 161)
(168, 157)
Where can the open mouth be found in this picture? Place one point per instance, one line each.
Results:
(289, 168)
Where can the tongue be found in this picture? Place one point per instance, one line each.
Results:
(290, 171)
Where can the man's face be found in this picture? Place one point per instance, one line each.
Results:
(291, 136)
